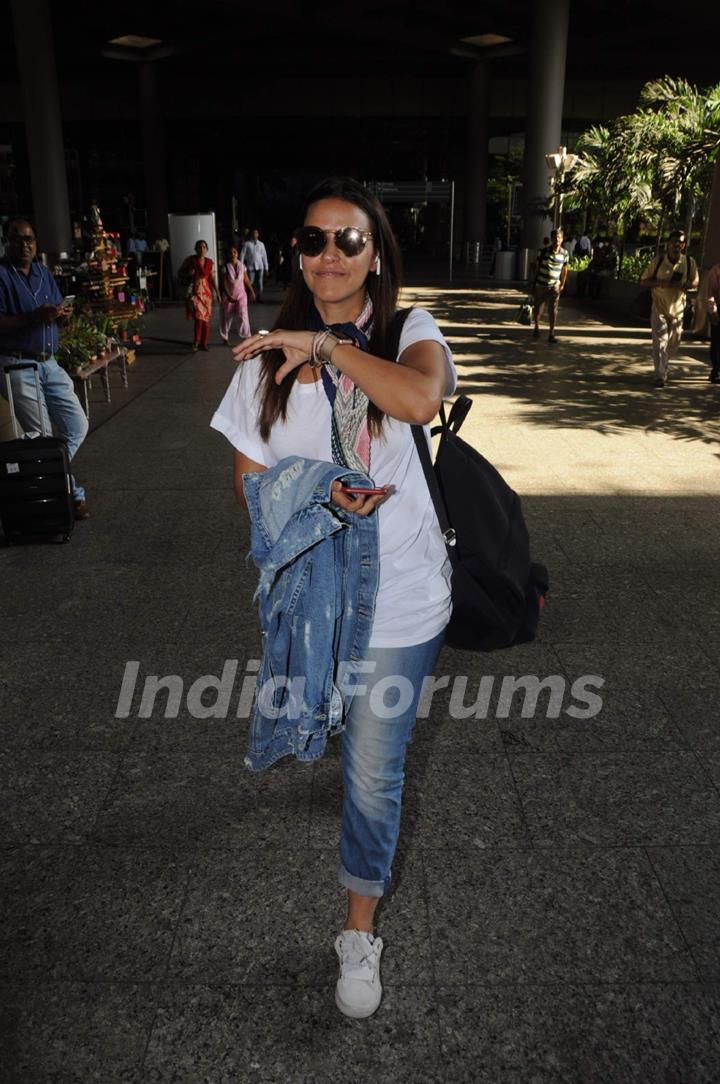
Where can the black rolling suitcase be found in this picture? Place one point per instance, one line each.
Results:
(35, 491)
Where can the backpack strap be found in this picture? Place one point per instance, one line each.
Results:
(656, 268)
(449, 423)
(432, 483)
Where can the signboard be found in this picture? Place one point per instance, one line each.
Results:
(412, 191)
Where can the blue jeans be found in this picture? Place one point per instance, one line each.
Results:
(60, 405)
(379, 726)
(256, 278)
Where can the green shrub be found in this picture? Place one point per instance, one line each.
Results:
(80, 339)
(633, 264)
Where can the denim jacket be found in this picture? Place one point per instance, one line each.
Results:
(319, 572)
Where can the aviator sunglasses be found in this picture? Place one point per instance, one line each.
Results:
(349, 239)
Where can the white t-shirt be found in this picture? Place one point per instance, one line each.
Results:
(413, 601)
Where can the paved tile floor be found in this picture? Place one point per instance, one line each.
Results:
(169, 917)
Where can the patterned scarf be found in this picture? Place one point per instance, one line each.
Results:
(350, 433)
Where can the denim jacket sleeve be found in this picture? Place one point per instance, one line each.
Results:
(316, 599)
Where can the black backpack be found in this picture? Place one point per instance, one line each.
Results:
(497, 591)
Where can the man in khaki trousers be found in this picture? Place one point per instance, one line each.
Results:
(669, 278)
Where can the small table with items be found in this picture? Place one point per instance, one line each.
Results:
(100, 365)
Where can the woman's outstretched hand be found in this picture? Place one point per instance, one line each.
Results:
(362, 506)
(295, 345)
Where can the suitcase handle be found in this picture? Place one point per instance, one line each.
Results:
(8, 384)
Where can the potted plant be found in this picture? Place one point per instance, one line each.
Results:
(81, 341)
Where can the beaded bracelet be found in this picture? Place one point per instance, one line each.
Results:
(317, 355)
(316, 360)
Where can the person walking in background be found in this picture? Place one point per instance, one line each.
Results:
(497, 246)
(234, 306)
(713, 311)
(552, 269)
(584, 246)
(288, 261)
(31, 306)
(197, 271)
(137, 243)
(254, 256)
(603, 265)
(295, 262)
(586, 280)
(610, 265)
(334, 384)
(669, 278)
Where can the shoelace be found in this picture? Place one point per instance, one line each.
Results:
(357, 961)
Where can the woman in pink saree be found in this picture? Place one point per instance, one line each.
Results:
(234, 306)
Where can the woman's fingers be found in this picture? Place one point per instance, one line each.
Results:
(256, 343)
(291, 343)
(345, 500)
(252, 346)
(361, 506)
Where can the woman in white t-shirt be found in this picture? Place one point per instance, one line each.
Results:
(321, 385)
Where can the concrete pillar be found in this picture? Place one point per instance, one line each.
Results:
(476, 153)
(546, 91)
(154, 163)
(43, 125)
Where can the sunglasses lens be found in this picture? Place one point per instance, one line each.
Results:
(350, 241)
(311, 241)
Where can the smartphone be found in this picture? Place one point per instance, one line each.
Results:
(364, 491)
(677, 276)
(68, 300)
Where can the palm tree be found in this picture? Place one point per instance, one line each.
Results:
(687, 139)
(606, 177)
(654, 163)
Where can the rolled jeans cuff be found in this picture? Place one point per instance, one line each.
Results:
(360, 885)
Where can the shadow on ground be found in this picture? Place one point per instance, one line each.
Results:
(596, 376)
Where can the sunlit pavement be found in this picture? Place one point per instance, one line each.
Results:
(581, 415)
(169, 916)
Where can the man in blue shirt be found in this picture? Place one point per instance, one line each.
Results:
(30, 308)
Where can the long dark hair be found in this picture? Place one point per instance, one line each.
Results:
(295, 312)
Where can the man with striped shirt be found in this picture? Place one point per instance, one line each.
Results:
(550, 281)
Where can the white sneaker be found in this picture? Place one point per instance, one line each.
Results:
(358, 991)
